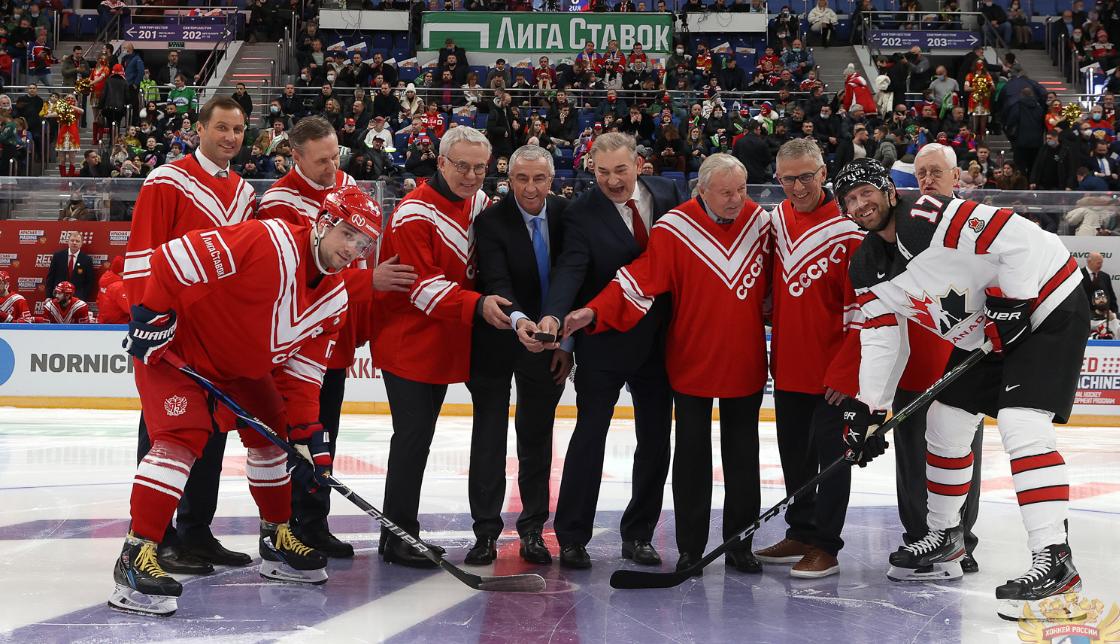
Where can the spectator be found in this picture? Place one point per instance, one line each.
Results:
(1020, 25)
(70, 66)
(114, 98)
(943, 86)
(886, 151)
(421, 160)
(458, 71)
(1009, 178)
(244, 100)
(1086, 182)
(1048, 170)
(76, 210)
(731, 77)
(1096, 279)
(1023, 125)
(972, 179)
(451, 49)
(166, 76)
(379, 163)
(95, 166)
(175, 153)
(753, 152)
(797, 60)
(822, 21)
(499, 74)
(133, 66)
(388, 72)
(411, 104)
(184, 98)
(41, 59)
(1104, 166)
(71, 265)
(853, 148)
(997, 23)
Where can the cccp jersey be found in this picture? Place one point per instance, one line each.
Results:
(73, 312)
(294, 199)
(814, 304)
(716, 345)
(175, 199)
(251, 302)
(14, 308)
(950, 254)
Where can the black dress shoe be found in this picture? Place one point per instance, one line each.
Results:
(641, 552)
(687, 560)
(485, 551)
(533, 549)
(322, 540)
(211, 551)
(575, 556)
(399, 552)
(968, 564)
(174, 560)
(743, 561)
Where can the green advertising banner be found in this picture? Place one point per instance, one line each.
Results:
(522, 32)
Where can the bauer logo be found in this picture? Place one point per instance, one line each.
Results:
(43, 260)
(1052, 625)
(31, 236)
(7, 361)
(118, 237)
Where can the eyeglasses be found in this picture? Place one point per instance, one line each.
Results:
(935, 173)
(462, 167)
(789, 180)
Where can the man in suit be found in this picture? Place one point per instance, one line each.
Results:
(1098, 280)
(607, 228)
(518, 241)
(72, 265)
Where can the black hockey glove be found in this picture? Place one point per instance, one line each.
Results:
(1008, 322)
(149, 333)
(858, 423)
(317, 442)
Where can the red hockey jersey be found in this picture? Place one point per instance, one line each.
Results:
(815, 305)
(425, 334)
(245, 308)
(175, 199)
(74, 312)
(716, 346)
(14, 308)
(295, 199)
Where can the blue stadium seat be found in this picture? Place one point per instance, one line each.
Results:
(88, 26)
(407, 74)
(480, 120)
(565, 173)
(678, 177)
(400, 140)
(464, 120)
(1044, 7)
(586, 120)
(381, 40)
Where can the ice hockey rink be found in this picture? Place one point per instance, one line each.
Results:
(64, 488)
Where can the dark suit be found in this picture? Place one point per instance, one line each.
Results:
(1103, 282)
(596, 244)
(507, 266)
(82, 277)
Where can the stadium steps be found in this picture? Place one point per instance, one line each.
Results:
(253, 66)
(831, 62)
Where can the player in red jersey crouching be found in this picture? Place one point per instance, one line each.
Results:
(283, 281)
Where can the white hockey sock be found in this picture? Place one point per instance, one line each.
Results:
(949, 458)
(1038, 472)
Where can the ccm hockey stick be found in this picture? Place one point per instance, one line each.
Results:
(626, 579)
(528, 583)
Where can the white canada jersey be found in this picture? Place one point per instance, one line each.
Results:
(949, 256)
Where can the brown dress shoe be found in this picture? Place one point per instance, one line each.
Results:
(786, 551)
(815, 565)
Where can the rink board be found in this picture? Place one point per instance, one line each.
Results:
(84, 367)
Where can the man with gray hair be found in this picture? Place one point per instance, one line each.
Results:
(607, 228)
(816, 322)
(422, 337)
(709, 254)
(518, 241)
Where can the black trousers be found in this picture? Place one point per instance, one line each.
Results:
(910, 474)
(692, 465)
(810, 437)
(200, 495)
(537, 396)
(597, 392)
(415, 408)
(309, 511)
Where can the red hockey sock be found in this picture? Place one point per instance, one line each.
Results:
(156, 489)
(269, 482)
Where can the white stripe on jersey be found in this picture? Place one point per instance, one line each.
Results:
(430, 292)
(446, 228)
(727, 263)
(794, 254)
(632, 291)
(286, 197)
(239, 210)
(184, 263)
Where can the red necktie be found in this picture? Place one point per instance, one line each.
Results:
(640, 234)
(71, 273)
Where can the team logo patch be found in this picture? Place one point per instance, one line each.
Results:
(940, 313)
(358, 220)
(976, 224)
(175, 406)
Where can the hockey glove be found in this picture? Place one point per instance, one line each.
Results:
(149, 333)
(316, 441)
(1008, 322)
(859, 421)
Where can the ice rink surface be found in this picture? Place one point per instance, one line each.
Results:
(65, 478)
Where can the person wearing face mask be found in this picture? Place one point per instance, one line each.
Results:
(677, 58)
(942, 85)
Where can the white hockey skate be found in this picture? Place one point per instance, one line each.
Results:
(285, 558)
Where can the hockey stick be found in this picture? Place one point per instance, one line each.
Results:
(626, 579)
(527, 583)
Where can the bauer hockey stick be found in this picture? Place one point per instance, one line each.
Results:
(626, 579)
(526, 583)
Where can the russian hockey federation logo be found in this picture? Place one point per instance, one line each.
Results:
(942, 313)
(175, 406)
(976, 224)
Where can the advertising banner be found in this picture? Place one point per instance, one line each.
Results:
(560, 33)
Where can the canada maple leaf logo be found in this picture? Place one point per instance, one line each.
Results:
(939, 314)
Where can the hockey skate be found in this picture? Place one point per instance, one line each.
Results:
(286, 558)
(142, 586)
(1038, 593)
(935, 557)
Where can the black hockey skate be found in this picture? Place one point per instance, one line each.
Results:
(935, 557)
(142, 585)
(1041, 588)
(286, 558)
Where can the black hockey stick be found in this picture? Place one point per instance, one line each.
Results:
(527, 583)
(626, 579)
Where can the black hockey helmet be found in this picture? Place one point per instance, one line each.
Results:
(857, 173)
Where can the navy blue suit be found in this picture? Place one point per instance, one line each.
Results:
(596, 244)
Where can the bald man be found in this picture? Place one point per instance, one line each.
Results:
(935, 168)
(1098, 280)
